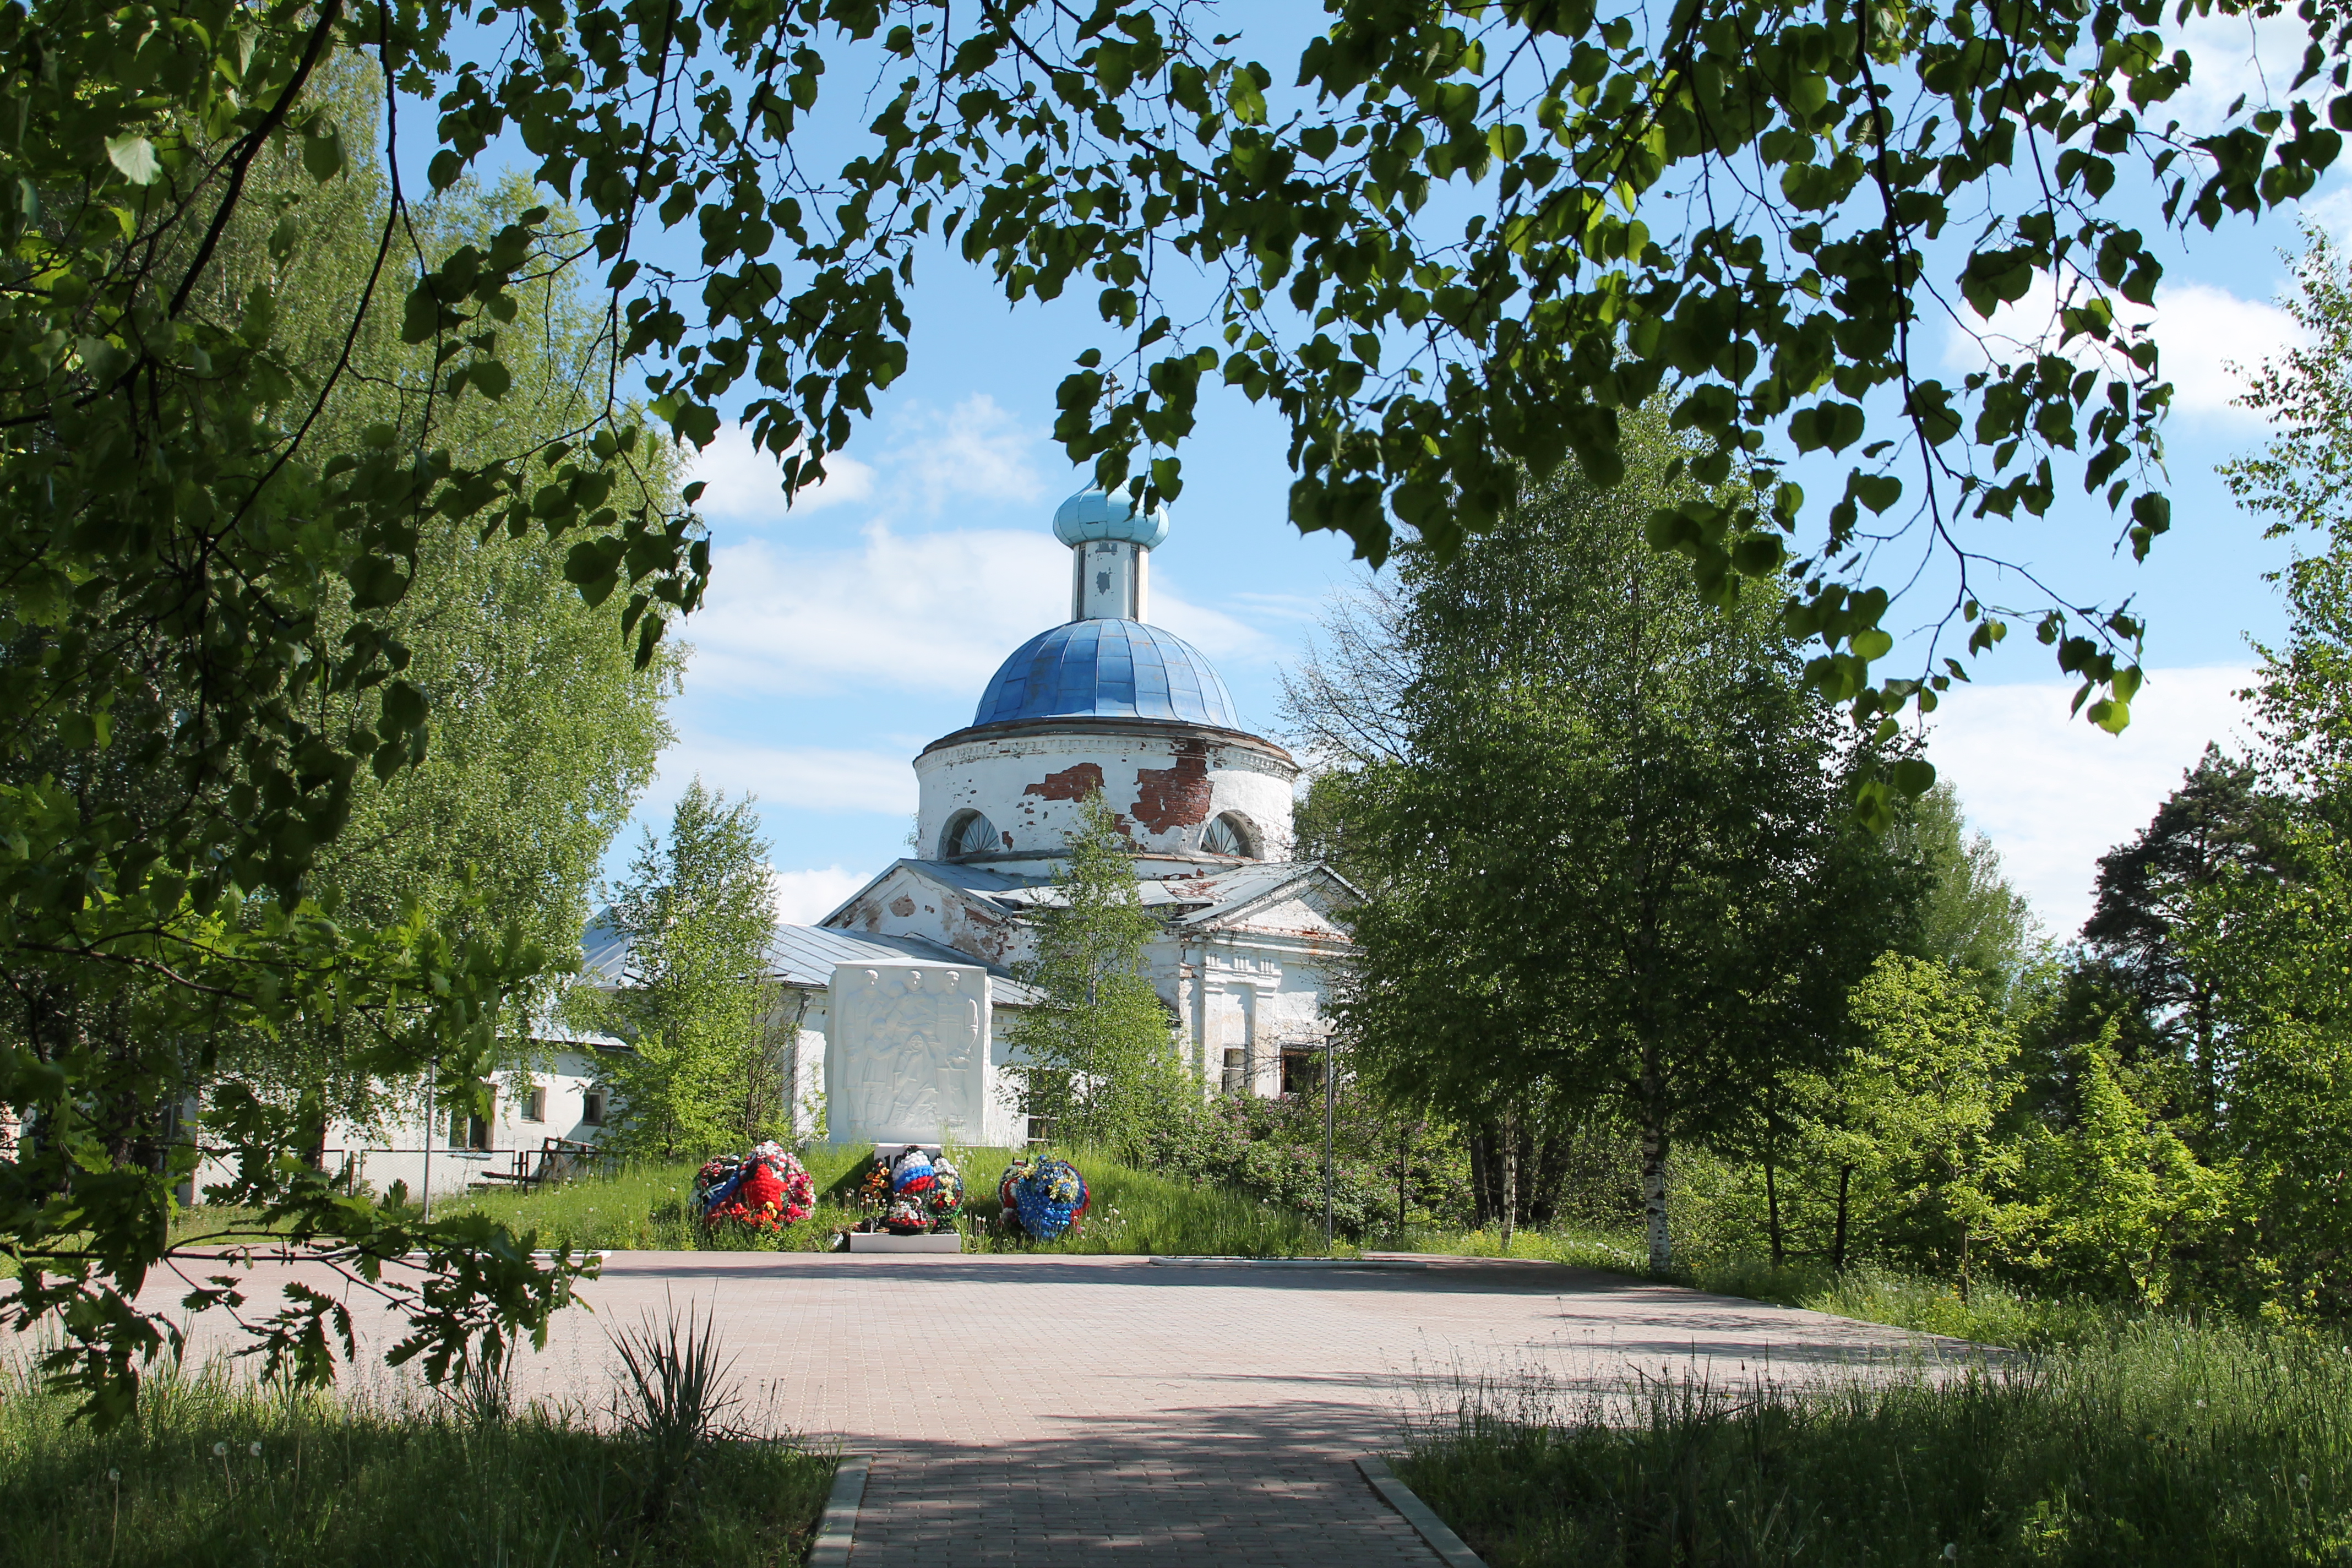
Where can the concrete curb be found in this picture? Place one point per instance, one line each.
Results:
(837, 1527)
(1175, 1260)
(1400, 1497)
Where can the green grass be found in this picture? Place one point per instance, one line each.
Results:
(2166, 1442)
(216, 1473)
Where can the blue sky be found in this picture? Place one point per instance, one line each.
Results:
(842, 636)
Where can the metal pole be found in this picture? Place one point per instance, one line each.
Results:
(1330, 1106)
(431, 1074)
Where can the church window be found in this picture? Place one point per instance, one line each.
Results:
(1227, 835)
(969, 832)
(1236, 1070)
(1302, 1072)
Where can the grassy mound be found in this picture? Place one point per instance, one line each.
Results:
(1134, 1211)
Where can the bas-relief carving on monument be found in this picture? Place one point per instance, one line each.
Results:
(907, 1060)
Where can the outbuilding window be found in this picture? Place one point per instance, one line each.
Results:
(1229, 835)
(969, 832)
(469, 1132)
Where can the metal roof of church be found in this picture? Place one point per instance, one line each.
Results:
(805, 956)
(1108, 668)
(1197, 897)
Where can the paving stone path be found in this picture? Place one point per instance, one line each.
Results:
(1046, 1411)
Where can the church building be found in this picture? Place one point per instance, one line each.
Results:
(1108, 702)
(909, 985)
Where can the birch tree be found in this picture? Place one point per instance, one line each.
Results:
(1614, 863)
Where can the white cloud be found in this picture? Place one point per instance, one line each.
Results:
(807, 778)
(2232, 56)
(1226, 639)
(803, 897)
(975, 451)
(2210, 338)
(2055, 793)
(915, 612)
(912, 612)
(2332, 211)
(1301, 609)
(743, 484)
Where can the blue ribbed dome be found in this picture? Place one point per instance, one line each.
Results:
(1122, 670)
(1091, 515)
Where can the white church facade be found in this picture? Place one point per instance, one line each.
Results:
(1106, 702)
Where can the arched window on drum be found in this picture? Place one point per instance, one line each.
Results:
(1229, 834)
(969, 832)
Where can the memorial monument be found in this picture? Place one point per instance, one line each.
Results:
(907, 1056)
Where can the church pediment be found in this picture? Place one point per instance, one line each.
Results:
(906, 900)
(1305, 900)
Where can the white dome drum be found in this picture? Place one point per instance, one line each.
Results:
(1182, 792)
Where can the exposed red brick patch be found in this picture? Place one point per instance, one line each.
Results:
(1070, 784)
(902, 906)
(1169, 798)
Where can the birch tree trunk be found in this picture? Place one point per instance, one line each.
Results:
(1510, 1141)
(1653, 1193)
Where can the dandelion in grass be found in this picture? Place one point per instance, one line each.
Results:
(254, 1449)
(220, 1450)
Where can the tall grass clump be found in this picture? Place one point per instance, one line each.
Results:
(2168, 1442)
(214, 1470)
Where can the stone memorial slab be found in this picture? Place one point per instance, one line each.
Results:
(907, 1059)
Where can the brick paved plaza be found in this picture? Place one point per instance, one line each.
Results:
(1065, 1410)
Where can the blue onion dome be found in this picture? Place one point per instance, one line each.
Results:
(1121, 670)
(1091, 515)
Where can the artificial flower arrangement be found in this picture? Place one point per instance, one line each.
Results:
(1045, 1197)
(911, 1193)
(768, 1189)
